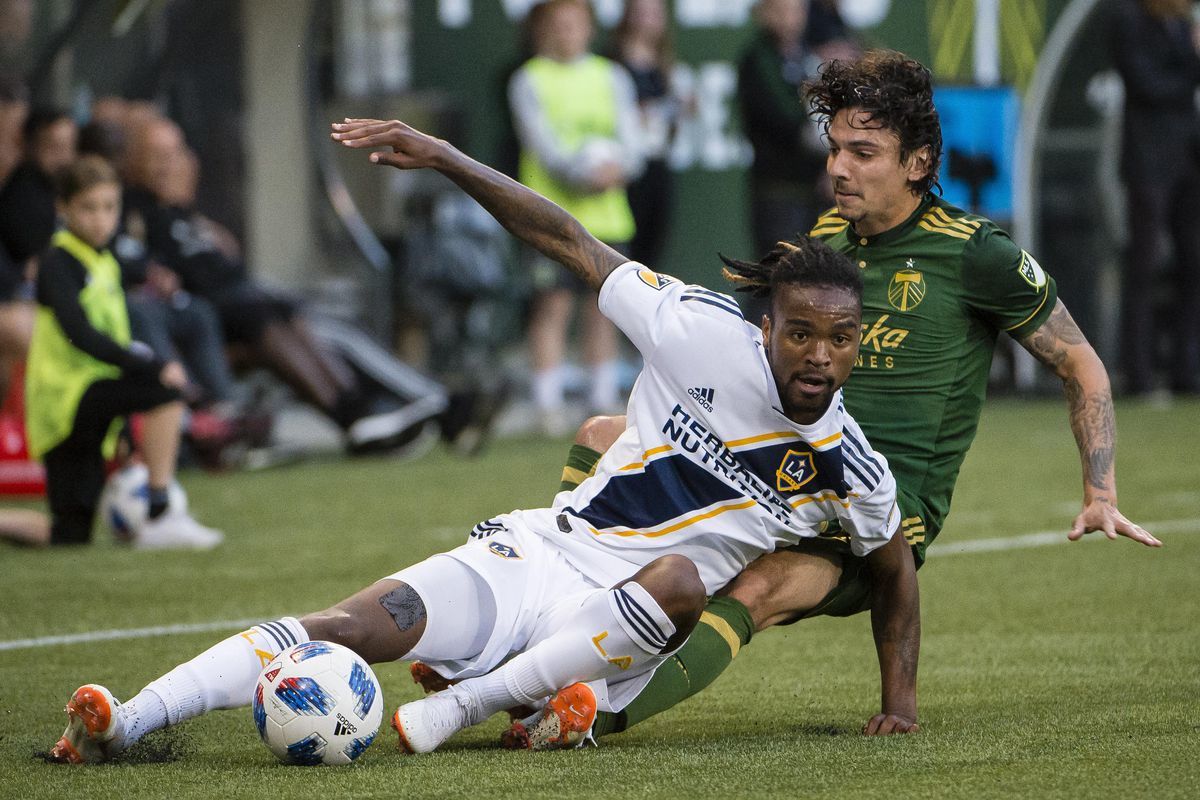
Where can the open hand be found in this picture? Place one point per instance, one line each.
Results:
(411, 149)
(173, 375)
(1100, 515)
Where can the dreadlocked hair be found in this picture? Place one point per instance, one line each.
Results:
(895, 91)
(801, 261)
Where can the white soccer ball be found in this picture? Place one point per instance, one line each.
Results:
(317, 703)
(125, 501)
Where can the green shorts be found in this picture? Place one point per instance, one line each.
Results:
(852, 595)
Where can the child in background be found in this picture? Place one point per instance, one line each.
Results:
(84, 373)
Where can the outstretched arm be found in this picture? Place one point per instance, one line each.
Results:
(896, 624)
(1060, 345)
(526, 214)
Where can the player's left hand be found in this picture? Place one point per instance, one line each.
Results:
(1100, 515)
(887, 724)
(411, 149)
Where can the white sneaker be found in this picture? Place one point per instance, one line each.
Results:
(424, 724)
(175, 530)
(95, 724)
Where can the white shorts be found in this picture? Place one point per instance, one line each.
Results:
(536, 591)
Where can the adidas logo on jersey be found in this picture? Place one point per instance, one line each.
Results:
(703, 396)
(343, 727)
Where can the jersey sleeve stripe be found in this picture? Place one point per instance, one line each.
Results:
(856, 452)
(967, 225)
(1032, 314)
(858, 472)
(715, 304)
(279, 633)
(724, 299)
(957, 235)
(830, 439)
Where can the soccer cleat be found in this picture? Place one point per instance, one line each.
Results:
(94, 721)
(565, 722)
(176, 530)
(424, 724)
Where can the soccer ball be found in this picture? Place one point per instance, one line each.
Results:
(125, 501)
(317, 703)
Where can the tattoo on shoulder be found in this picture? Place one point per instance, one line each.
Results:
(405, 606)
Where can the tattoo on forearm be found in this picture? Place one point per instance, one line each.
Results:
(1094, 426)
(405, 606)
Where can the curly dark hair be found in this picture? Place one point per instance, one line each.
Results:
(802, 261)
(896, 91)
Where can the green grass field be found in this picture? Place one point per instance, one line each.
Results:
(1061, 670)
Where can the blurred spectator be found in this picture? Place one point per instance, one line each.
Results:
(789, 157)
(266, 326)
(1155, 42)
(576, 119)
(641, 43)
(85, 371)
(14, 108)
(827, 33)
(27, 215)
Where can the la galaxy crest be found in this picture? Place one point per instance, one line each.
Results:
(907, 288)
(654, 280)
(795, 470)
(503, 550)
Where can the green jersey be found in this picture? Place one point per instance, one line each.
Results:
(938, 289)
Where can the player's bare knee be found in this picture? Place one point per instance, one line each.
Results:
(600, 432)
(674, 583)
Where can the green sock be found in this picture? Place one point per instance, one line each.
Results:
(581, 463)
(724, 628)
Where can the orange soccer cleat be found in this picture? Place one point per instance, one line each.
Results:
(565, 722)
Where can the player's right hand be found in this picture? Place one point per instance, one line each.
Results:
(411, 149)
(887, 724)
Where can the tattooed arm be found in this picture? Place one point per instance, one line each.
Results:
(526, 214)
(1060, 345)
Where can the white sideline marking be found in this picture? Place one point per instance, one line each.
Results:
(1044, 538)
(1039, 539)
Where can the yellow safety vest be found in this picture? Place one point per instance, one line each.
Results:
(57, 373)
(579, 102)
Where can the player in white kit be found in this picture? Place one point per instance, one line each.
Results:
(737, 443)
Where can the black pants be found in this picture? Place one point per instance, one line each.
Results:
(75, 467)
(1158, 215)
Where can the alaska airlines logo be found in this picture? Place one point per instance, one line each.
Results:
(880, 336)
(907, 289)
(654, 280)
(503, 550)
(794, 471)
(703, 396)
(1032, 271)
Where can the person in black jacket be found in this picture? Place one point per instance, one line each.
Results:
(1155, 42)
(789, 158)
(27, 216)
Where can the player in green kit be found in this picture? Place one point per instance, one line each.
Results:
(940, 287)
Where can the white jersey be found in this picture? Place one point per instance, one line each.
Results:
(709, 467)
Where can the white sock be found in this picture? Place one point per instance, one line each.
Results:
(612, 632)
(547, 389)
(223, 676)
(603, 393)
